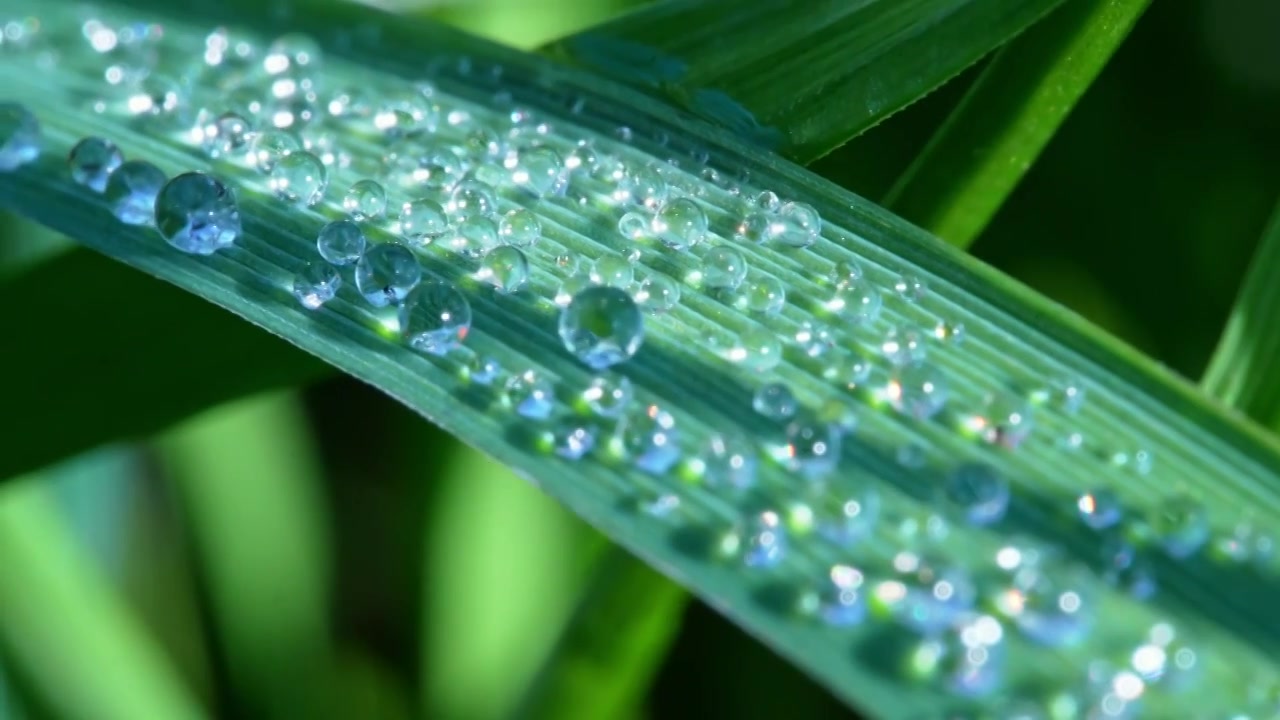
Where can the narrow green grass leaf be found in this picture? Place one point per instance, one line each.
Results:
(249, 483)
(607, 657)
(978, 536)
(155, 357)
(67, 631)
(798, 76)
(1244, 371)
(988, 143)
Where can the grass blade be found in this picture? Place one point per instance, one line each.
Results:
(608, 655)
(988, 143)
(775, 557)
(1244, 368)
(67, 630)
(194, 358)
(798, 76)
(248, 480)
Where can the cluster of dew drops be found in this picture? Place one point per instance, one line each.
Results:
(426, 175)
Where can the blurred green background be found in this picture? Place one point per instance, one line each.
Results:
(260, 538)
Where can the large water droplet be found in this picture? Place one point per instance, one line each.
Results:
(856, 300)
(506, 268)
(796, 225)
(613, 270)
(20, 139)
(435, 318)
(270, 146)
(423, 220)
(520, 227)
(386, 274)
(131, 192)
(723, 268)
(658, 293)
(680, 224)
(539, 170)
(316, 284)
(766, 296)
(602, 326)
(471, 198)
(341, 242)
(92, 161)
(197, 214)
(365, 200)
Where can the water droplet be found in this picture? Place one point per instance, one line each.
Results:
(608, 396)
(92, 161)
(532, 395)
(918, 391)
(651, 440)
(386, 274)
(766, 296)
(1100, 509)
(316, 284)
(764, 539)
(811, 450)
(20, 139)
(612, 270)
(969, 658)
(1124, 569)
(846, 272)
(299, 178)
(910, 288)
(775, 401)
(755, 348)
(341, 242)
(680, 224)
(474, 237)
(422, 220)
(976, 493)
(851, 518)
(471, 198)
(1043, 596)
(857, 301)
(365, 200)
(903, 347)
(520, 227)
(1245, 543)
(131, 192)
(728, 462)
(839, 600)
(602, 326)
(815, 339)
(293, 54)
(756, 227)
(435, 317)
(197, 214)
(796, 225)
(1005, 421)
(571, 439)
(540, 171)
(927, 595)
(723, 268)
(270, 146)
(644, 186)
(506, 268)
(658, 293)
(633, 226)
(767, 201)
(1181, 525)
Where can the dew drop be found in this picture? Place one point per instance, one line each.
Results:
(918, 391)
(644, 186)
(658, 293)
(475, 237)
(422, 220)
(539, 170)
(1100, 509)
(532, 395)
(386, 274)
(341, 242)
(608, 396)
(651, 440)
(976, 493)
(811, 449)
(435, 317)
(470, 199)
(680, 224)
(505, 268)
(775, 401)
(723, 268)
(633, 226)
(839, 601)
(132, 190)
(571, 439)
(728, 462)
(1181, 525)
(767, 201)
(520, 227)
(902, 348)
(764, 541)
(766, 296)
(797, 225)
(856, 301)
(852, 517)
(1044, 597)
(927, 595)
(612, 270)
(968, 658)
(365, 200)
(484, 370)
(92, 161)
(815, 339)
(756, 227)
(197, 214)
(755, 348)
(299, 178)
(602, 326)
(316, 284)
(270, 146)
(910, 288)
(20, 138)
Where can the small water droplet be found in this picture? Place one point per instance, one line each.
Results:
(520, 227)
(506, 268)
(475, 237)
(775, 401)
(764, 539)
(644, 186)
(422, 220)
(197, 214)
(767, 201)
(658, 293)
(608, 396)
(341, 242)
(484, 370)
(1044, 596)
(633, 226)
(435, 318)
(968, 658)
(728, 462)
(839, 600)
(903, 347)
(927, 595)
(365, 200)
(811, 448)
(1245, 543)
(918, 391)
(651, 440)
(92, 161)
(976, 493)
(571, 439)
(815, 339)
(1181, 525)
(1100, 509)
(270, 146)
(532, 395)
(540, 171)
(299, 178)
(20, 138)
(386, 274)
(679, 224)
(856, 300)
(797, 225)
(755, 348)
(849, 518)
(612, 270)
(471, 198)
(316, 284)
(910, 288)
(227, 134)
(602, 326)
(723, 268)
(766, 296)
(132, 190)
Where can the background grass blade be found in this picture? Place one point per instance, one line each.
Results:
(1244, 371)
(607, 657)
(1142, 433)
(257, 517)
(196, 356)
(67, 630)
(989, 142)
(798, 76)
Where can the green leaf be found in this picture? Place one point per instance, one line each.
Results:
(977, 158)
(67, 631)
(146, 354)
(798, 76)
(776, 558)
(1244, 371)
(606, 658)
